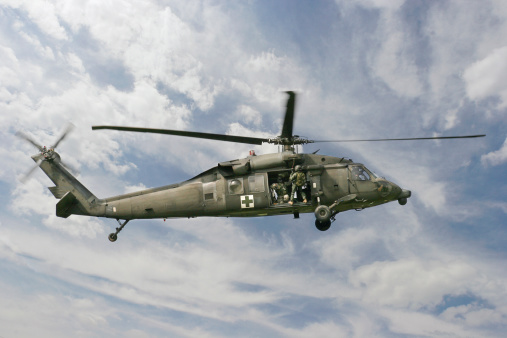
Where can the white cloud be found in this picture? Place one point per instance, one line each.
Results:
(397, 69)
(14, 72)
(76, 226)
(495, 157)
(76, 315)
(184, 65)
(421, 324)
(134, 188)
(43, 14)
(488, 77)
(32, 197)
(382, 4)
(349, 246)
(412, 283)
(158, 274)
(394, 60)
(250, 115)
(474, 315)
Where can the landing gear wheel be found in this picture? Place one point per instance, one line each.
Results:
(322, 213)
(322, 226)
(114, 235)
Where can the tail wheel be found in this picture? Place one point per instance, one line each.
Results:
(322, 213)
(322, 226)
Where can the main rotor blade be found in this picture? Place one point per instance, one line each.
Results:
(29, 139)
(405, 139)
(288, 121)
(64, 135)
(209, 136)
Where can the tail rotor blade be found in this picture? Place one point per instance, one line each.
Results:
(70, 168)
(31, 171)
(29, 139)
(64, 135)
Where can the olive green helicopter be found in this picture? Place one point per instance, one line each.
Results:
(280, 183)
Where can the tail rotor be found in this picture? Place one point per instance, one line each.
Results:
(45, 154)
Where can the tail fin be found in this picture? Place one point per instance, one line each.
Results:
(74, 197)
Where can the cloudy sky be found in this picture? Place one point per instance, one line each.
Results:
(362, 69)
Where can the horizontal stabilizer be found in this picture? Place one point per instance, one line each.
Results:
(58, 192)
(63, 208)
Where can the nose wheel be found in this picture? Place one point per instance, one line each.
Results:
(114, 235)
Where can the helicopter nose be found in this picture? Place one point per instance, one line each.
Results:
(395, 190)
(402, 198)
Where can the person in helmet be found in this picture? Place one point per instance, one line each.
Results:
(280, 189)
(298, 179)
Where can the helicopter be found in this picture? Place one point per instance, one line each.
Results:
(280, 183)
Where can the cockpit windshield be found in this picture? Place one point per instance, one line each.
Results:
(359, 173)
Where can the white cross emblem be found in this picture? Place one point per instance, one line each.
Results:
(247, 201)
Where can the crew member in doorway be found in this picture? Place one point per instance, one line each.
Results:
(298, 179)
(280, 189)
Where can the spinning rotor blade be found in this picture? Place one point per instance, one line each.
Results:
(209, 136)
(70, 168)
(29, 139)
(45, 153)
(405, 139)
(287, 139)
(30, 172)
(288, 121)
(64, 135)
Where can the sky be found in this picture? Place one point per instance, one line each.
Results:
(362, 69)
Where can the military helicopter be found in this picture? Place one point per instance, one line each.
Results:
(258, 185)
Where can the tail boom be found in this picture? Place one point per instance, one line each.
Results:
(74, 197)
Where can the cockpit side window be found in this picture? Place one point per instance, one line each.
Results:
(359, 174)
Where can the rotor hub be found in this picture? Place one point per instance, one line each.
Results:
(289, 141)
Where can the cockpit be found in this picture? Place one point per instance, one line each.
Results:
(360, 173)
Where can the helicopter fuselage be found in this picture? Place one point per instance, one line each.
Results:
(243, 188)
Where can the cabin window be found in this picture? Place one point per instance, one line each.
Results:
(236, 186)
(359, 174)
(256, 183)
(209, 190)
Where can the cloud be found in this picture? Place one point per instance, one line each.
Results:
(44, 15)
(394, 64)
(197, 278)
(368, 69)
(497, 157)
(413, 284)
(382, 4)
(77, 315)
(422, 324)
(488, 77)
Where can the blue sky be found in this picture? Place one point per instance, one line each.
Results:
(362, 69)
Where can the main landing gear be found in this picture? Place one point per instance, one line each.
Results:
(322, 226)
(324, 217)
(114, 236)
